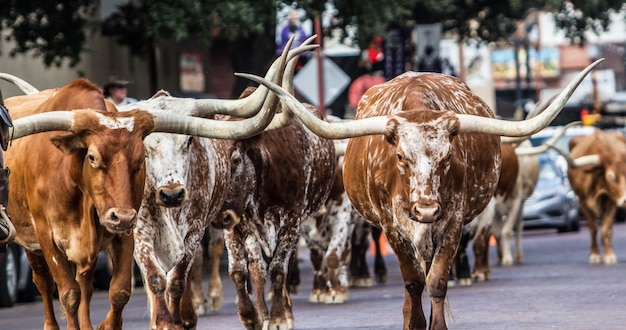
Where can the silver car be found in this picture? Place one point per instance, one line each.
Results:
(553, 204)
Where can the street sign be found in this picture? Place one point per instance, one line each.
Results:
(335, 81)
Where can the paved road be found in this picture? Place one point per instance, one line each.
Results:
(554, 289)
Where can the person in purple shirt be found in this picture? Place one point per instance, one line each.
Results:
(293, 26)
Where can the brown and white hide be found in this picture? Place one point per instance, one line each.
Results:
(600, 188)
(327, 235)
(422, 181)
(279, 179)
(186, 183)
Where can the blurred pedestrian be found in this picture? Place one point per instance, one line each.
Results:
(293, 27)
(359, 86)
(373, 58)
(116, 91)
(430, 62)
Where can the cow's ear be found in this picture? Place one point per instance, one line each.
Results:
(391, 131)
(574, 141)
(67, 142)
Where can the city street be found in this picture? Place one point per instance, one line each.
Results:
(555, 288)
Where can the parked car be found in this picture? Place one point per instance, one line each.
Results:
(553, 204)
(16, 279)
(563, 144)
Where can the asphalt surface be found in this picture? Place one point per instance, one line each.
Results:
(555, 288)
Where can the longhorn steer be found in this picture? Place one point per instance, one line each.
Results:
(279, 178)
(600, 185)
(328, 235)
(434, 169)
(88, 201)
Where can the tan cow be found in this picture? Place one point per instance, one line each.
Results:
(434, 169)
(600, 184)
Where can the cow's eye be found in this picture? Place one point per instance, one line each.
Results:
(400, 159)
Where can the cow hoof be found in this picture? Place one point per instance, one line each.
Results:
(317, 297)
(201, 309)
(595, 259)
(361, 283)
(451, 283)
(507, 262)
(610, 259)
(293, 289)
(215, 304)
(465, 281)
(381, 278)
(479, 277)
(336, 298)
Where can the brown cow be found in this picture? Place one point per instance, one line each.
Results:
(434, 169)
(600, 185)
(280, 177)
(88, 201)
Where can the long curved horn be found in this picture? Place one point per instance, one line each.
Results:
(587, 160)
(284, 118)
(529, 151)
(19, 82)
(165, 121)
(343, 130)
(539, 108)
(468, 123)
(476, 124)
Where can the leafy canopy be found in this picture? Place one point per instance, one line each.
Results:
(57, 31)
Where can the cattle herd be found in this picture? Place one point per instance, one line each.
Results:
(167, 180)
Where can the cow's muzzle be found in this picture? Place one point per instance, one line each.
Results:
(171, 195)
(119, 220)
(425, 211)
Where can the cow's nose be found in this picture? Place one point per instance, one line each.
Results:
(171, 196)
(426, 211)
(120, 220)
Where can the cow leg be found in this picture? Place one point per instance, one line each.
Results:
(414, 277)
(45, 284)
(336, 257)
(319, 280)
(437, 276)
(480, 247)
(508, 227)
(519, 228)
(311, 232)
(608, 255)
(281, 314)
(361, 237)
(594, 251)
(195, 279)
(293, 274)
(84, 277)
(238, 272)
(156, 284)
(180, 301)
(121, 284)
(63, 273)
(216, 250)
(461, 267)
(380, 270)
